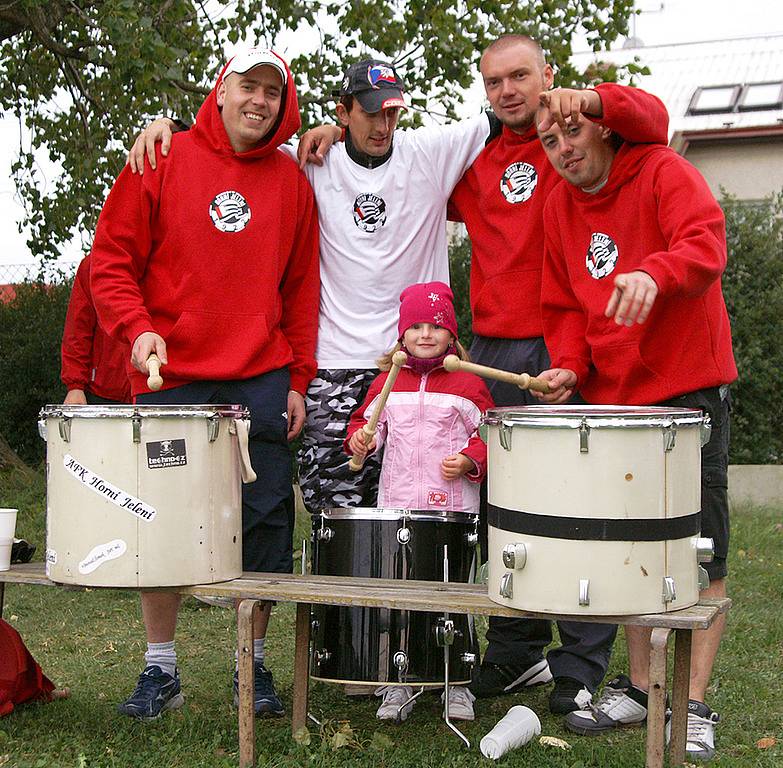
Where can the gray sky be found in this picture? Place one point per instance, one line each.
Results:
(670, 21)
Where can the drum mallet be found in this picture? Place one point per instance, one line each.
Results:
(398, 360)
(523, 380)
(154, 380)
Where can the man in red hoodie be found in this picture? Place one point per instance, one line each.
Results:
(93, 364)
(501, 201)
(633, 313)
(212, 264)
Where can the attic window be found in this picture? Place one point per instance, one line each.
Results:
(758, 96)
(714, 100)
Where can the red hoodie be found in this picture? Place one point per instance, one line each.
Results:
(501, 200)
(217, 252)
(91, 360)
(655, 214)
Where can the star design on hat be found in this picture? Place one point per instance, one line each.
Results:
(434, 297)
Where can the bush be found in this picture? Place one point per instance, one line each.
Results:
(31, 329)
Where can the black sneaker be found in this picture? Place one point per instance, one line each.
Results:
(620, 704)
(155, 692)
(496, 679)
(569, 695)
(265, 697)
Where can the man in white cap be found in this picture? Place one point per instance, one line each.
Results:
(212, 264)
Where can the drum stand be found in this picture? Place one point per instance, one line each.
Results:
(445, 638)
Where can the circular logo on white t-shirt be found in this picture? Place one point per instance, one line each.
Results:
(369, 212)
(601, 255)
(229, 212)
(518, 182)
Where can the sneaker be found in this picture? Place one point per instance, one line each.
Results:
(265, 699)
(394, 696)
(155, 692)
(620, 704)
(496, 679)
(569, 695)
(460, 703)
(700, 741)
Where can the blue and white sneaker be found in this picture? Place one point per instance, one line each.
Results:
(265, 697)
(156, 692)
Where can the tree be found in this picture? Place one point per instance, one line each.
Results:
(85, 76)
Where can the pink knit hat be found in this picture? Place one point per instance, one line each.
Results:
(427, 303)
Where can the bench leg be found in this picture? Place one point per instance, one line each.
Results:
(247, 713)
(301, 668)
(680, 685)
(656, 697)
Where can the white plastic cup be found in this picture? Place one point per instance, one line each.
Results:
(519, 726)
(5, 554)
(7, 523)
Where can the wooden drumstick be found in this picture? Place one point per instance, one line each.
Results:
(154, 380)
(398, 360)
(523, 380)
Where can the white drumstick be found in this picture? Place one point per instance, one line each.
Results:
(523, 380)
(398, 360)
(154, 380)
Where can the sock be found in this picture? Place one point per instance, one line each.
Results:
(162, 655)
(258, 652)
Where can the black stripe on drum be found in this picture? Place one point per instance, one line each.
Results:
(594, 529)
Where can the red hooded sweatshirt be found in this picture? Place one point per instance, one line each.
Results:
(91, 360)
(655, 214)
(501, 200)
(217, 252)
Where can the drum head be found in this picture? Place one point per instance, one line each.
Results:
(594, 416)
(144, 411)
(411, 515)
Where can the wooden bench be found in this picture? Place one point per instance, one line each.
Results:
(427, 596)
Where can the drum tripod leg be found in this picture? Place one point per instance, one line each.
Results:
(247, 714)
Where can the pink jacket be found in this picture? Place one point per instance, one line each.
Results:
(427, 418)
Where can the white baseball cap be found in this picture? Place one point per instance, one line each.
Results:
(245, 60)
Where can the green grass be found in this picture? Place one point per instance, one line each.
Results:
(92, 642)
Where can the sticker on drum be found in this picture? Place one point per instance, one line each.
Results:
(101, 554)
(51, 557)
(166, 453)
(107, 491)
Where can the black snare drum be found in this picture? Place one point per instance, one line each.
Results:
(381, 645)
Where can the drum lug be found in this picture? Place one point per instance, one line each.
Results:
(469, 658)
(444, 632)
(403, 535)
(319, 657)
(669, 591)
(704, 579)
(669, 437)
(42, 431)
(504, 433)
(584, 591)
(401, 661)
(315, 625)
(584, 436)
(507, 585)
(515, 556)
(325, 534)
(136, 427)
(64, 426)
(472, 539)
(213, 428)
(705, 550)
(705, 430)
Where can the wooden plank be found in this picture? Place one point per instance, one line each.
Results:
(301, 668)
(656, 697)
(247, 713)
(680, 689)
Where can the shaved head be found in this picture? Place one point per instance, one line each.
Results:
(509, 41)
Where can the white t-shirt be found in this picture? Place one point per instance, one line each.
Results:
(383, 229)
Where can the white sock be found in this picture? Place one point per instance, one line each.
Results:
(162, 655)
(258, 652)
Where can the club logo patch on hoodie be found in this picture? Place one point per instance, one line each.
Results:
(229, 211)
(369, 212)
(518, 182)
(601, 255)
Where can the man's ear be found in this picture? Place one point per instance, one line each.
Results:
(220, 93)
(342, 114)
(606, 133)
(549, 76)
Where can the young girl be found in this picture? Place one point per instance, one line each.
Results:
(433, 457)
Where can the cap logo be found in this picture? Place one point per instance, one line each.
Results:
(229, 212)
(380, 73)
(601, 255)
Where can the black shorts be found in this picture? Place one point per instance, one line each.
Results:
(268, 503)
(714, 471)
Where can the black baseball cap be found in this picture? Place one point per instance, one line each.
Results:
(375, 84)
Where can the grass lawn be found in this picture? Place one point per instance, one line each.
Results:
(92, 642)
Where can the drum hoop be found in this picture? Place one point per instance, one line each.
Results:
(126, 411)
(380, 514)
(595, 417)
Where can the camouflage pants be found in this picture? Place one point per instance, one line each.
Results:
(324, 476)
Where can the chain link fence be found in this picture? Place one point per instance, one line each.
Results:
(12, 275)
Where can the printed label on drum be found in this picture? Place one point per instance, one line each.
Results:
(101, 554)
(437, 498)
(51, 557)
(108, 491)
(166, 453)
